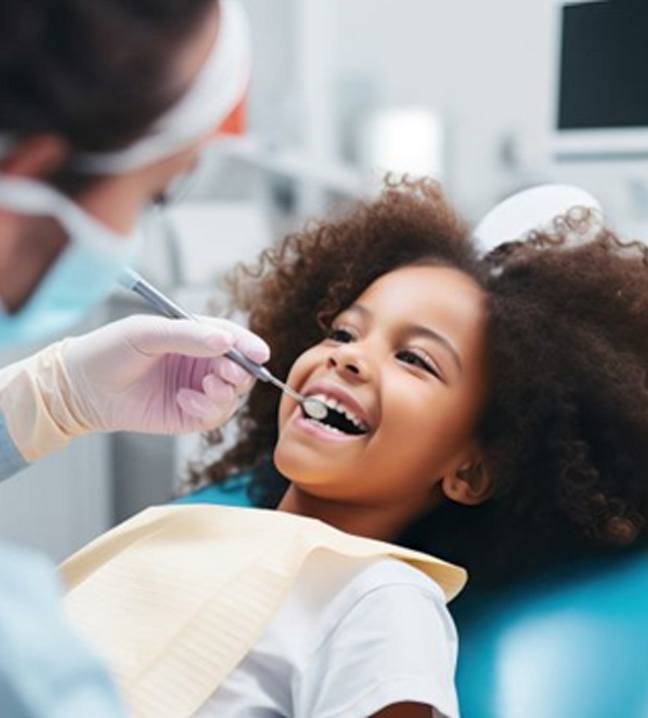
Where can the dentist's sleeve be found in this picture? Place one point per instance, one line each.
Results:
(45, 670)
(36, 417)
(11, 460)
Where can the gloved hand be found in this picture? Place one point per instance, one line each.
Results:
(157, 375)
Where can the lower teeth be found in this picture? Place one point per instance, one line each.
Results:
(326, 426)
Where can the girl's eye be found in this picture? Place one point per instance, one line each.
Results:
(410, 357)
(341, 335)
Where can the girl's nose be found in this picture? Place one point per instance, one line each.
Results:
(347, 360)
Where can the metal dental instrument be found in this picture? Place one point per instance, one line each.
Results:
(132, 281)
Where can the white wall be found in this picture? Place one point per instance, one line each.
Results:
(486, 65)
(61, 503)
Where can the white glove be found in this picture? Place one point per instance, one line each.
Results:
(158, 375)
(144, 373)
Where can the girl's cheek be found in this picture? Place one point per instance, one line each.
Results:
(305, 365)
(409, 406)
(297, 376)
(283, 412)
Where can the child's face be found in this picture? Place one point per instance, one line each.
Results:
(406, 359)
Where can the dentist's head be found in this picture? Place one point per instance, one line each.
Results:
(102, 104)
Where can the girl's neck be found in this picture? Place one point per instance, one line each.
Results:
(382, 523)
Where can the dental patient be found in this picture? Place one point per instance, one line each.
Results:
(490, 411)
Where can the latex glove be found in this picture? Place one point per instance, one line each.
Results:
(156, 375)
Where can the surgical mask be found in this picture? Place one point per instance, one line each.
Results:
(83, 274)
(87, 270)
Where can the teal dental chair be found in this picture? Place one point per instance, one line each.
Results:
(571, 646)
(574, 645)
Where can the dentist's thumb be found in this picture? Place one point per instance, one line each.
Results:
(206, 337)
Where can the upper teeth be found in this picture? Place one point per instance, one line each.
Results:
(338, 406)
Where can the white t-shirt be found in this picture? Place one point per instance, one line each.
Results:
(352, 637)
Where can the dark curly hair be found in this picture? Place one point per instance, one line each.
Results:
(564, 430)
(98, 73)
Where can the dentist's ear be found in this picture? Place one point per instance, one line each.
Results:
(36, 157)
(470, 484)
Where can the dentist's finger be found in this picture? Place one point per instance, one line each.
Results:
(220, 393)
(251, 345)
(233, 374)
(155, 336)
(198, 406)
(245, 341)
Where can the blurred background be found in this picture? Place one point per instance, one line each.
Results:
(487, 97)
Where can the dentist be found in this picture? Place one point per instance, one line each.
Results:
(102, 104)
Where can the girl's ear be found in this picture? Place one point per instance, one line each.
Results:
(470, 484)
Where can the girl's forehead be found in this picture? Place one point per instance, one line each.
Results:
(427, 301)
(412, 292)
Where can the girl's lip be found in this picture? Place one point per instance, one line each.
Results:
(310, 427)
(334, 391)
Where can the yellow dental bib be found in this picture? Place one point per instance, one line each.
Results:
(175, 597)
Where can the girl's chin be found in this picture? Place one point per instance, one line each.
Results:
(304, 469)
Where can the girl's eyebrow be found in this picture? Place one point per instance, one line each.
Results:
(419, 330)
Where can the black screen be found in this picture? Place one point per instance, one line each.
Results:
(604, 65)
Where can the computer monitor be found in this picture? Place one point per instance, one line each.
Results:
(601, 98)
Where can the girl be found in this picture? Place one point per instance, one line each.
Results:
(492, 411)
(550, 448)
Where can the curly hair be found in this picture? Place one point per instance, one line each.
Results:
(564, 430)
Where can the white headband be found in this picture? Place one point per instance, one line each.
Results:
(219, 85)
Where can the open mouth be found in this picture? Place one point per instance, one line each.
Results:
(339, 418)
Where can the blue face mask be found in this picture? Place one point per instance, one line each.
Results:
(82, 276)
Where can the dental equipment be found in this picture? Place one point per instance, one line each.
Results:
(528, 210)
(131, 280)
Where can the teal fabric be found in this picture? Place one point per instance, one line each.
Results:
(11, 460)
(232, 493)
(45, 670)
(574, 645)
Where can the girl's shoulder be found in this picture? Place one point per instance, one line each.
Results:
(351, 637)
(376, 591)
(382, 635)
(339, 594)
(387, 572)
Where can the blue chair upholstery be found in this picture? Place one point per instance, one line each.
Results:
(231, 494)
(568, 647)
(572, 646)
